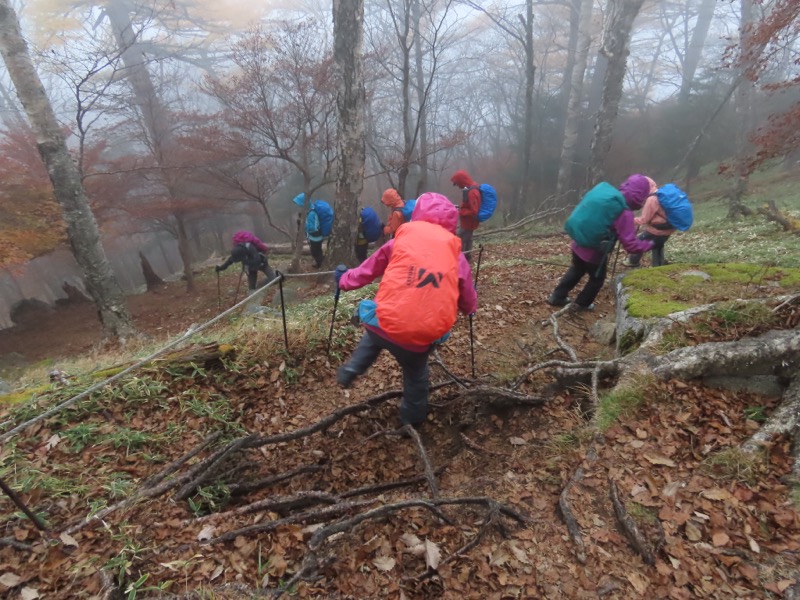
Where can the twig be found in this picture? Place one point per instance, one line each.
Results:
(561, 343)
(12, 543)
(565, 509)
(385, 487)
(437, 360)
(478, 448)
(178, 463)
(252, 486)
(279, 504)
(429, 473)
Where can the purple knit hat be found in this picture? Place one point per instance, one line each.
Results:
(636, 188)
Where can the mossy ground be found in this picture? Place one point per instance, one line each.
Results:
(658, 292)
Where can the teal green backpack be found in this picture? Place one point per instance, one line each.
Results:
(590, 223)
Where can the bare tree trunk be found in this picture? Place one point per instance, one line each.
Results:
(82, 230)
(573, 116)
(348, 40)
(183, 250)
(695, 50)
(423, 152)
(616, 37)
(527, 140)
(744, 120)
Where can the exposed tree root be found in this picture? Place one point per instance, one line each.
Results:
(238, 489)
(312, 562)
(429, 473)
(565, 511)
(631, 530)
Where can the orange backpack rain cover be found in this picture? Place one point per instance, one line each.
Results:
(418, 295)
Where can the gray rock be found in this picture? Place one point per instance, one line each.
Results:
(695, 273)
(763, 385)
(604, 332)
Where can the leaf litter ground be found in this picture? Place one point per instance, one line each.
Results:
(718, 532)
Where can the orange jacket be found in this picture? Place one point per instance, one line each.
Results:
(471, 204)
(393, 200)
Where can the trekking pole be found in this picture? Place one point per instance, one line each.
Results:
(333, 319)
(21, 505)
(478, 266)
(472, 346)
(219, 294)
(283, 311)
(238, 285)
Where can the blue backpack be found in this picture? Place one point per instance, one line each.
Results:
(370, 224)
(325, 214)
(488, 201)
(408, 209)
(676, 206)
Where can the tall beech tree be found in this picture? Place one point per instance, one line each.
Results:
(82, 230)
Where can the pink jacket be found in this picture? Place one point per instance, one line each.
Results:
(653, 214)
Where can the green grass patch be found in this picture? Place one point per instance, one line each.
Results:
(658, 292)
(622, 402)
(734, 464)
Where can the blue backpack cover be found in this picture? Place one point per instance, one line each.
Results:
(591, 222)
(325, 214)
(488, 201)
(408, 209)
(371, 224)
(676, 205)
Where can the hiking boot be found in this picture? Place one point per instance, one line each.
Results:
(578, 307)
(553, 301)
(628, 263)
(345, 377)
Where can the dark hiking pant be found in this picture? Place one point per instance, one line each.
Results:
(361, 252)
(466, 242)
(252, 273)
(657, 256)
(316, 252)
(414, 405)
(579, 268)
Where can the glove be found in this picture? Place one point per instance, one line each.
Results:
(218, 268)
(337, 274)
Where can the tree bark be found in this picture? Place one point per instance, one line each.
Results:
(573, 116)
(616, 38)
(348, 33)
(527, 138)
(695, 49)
(82, 230)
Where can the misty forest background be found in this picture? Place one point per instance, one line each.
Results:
(186, 120)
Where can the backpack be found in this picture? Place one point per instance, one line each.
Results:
(325, 214)
(370, 224)
(676, 205)
(245, 237)
(590, 223)
(417, 300)
(408, 209)
(488, 200)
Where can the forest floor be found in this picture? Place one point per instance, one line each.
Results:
(718, 526)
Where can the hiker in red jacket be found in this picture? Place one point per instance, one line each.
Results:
(425, 281)
(391, 199)
(468, 211)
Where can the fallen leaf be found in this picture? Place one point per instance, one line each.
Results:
(753, 545)
(432, 555)
(716, 494)
(693, 533)
(410, 540)
(10, 579)
(657, 459)
(29, 593)
(384, 563)
(720, 538)
(217, 572)
(638, 582)
(52, 442)
(68, 540)
(516, 441)
(206, 533)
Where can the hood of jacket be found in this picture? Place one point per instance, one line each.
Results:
(392, 199)
(635, 189)
(462, 179)
(653, 186)
(437, 209)
(300, 199)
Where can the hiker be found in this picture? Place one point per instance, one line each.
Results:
(401, 211)
(468, 211)
(603, 215)
(370, 230)
(391, 199)
(252, 253)
(319, 222)
(425, 281)
(657, 229)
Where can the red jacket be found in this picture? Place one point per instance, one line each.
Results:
(470, 202)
